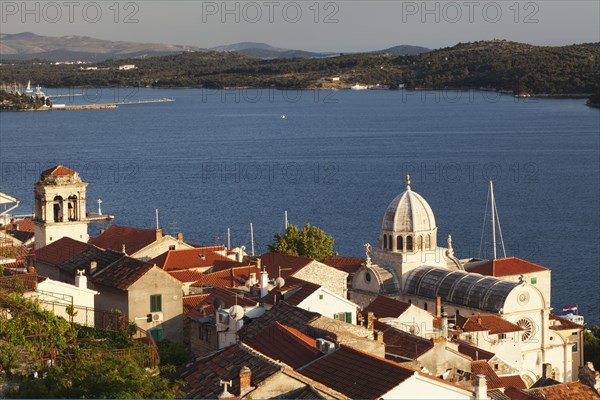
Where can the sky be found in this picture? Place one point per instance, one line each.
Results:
(338, 26)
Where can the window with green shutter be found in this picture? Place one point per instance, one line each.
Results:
(349, 317)
(533, 281)
(156, 303)
(157, 334)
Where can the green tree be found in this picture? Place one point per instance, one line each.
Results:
(591, 345)
(310, 242)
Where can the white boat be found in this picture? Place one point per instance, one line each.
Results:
(358, 86)
(38, 91)
(29, 90)
(578, 319)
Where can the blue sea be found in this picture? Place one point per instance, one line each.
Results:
(214, 160)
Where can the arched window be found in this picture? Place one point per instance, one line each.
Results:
(420, 243)
(428, 242)
(409, 243)
(73, 211)
(58, 209)
(399, 244)
(384, 241)
(425, 306)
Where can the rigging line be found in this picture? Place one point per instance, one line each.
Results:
(484, 220)
(500, 231)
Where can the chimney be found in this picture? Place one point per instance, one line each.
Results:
(81, 279)
(239, 255)
(258, 263)
(480, 387)
(158, 234)
(379, 336)
(438, 306)
(180, 237)
(547, 370)
(102, 231)
(264, 282)
(445, 325)
(245, 381)
(370, 320)
(93, 265)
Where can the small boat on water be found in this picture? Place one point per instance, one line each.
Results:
(358, 86)
(29, 90)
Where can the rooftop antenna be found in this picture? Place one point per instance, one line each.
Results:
(495, 220)
(99, 207)
(252, 239)
(157, 227)
(283, 269)
(228, 239)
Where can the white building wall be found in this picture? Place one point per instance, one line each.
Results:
(60, 294)
(420, 387)
(329, 304)
(326, 276)
(155, 249)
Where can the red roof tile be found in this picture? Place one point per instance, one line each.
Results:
(571, 391)
(293, 292)
(402, 344)
(292, 264)
(506, 267)
(26, 225)
(60, 251)
(186, 275)
(198, 307)
(474, 352)
(560, 323)
(122, 273)
(193, 300)
(347, 264)
(58, 170)
(386, 307)
(203, 375)
(285, 344)
(189, 258)
(356, 374)
(116, 236)
(486, 322)
(482, 367)
(228, 278)
(518, 394)
(513, 380)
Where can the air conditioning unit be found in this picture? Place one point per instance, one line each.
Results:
(155, 317)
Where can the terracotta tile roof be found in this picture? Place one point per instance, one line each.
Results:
(25, 224)
(519, 394)
(205, 306)
(497, 394)
(60, 251)
(356, 374)
(559, 323)
(227, 278)
(193, 300)
(22, 236)
(116, 236)
(482, 367)
(386, 307)
(57, 170)
(474, 352)
(219, 265)
(173, 260)
(285, 344)
(513, 380)
(347, 264)
(506, 267)
(571, 391)
(293, 292)
(122, 274)
(201, 378)
(486, 322)
(186, 275)
(402, 344)
(284, 313)
(272, 262)
(103, 259)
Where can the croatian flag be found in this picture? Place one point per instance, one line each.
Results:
(570, 308)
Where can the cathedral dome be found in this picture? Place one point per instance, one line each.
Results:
(408, 212)
(408, 224)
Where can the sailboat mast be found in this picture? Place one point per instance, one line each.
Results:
(285, 220)
(493, 216)
(252, 238)
(228, 239)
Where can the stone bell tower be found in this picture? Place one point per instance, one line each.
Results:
(60, 207)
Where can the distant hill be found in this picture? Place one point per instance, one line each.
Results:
(403, 50)
(266, 51)
(27, 45)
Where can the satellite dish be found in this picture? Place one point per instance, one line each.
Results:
(218, 304)
(279, 282)
(236, 312)
(243, 248)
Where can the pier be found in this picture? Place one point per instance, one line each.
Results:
(104, 106)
